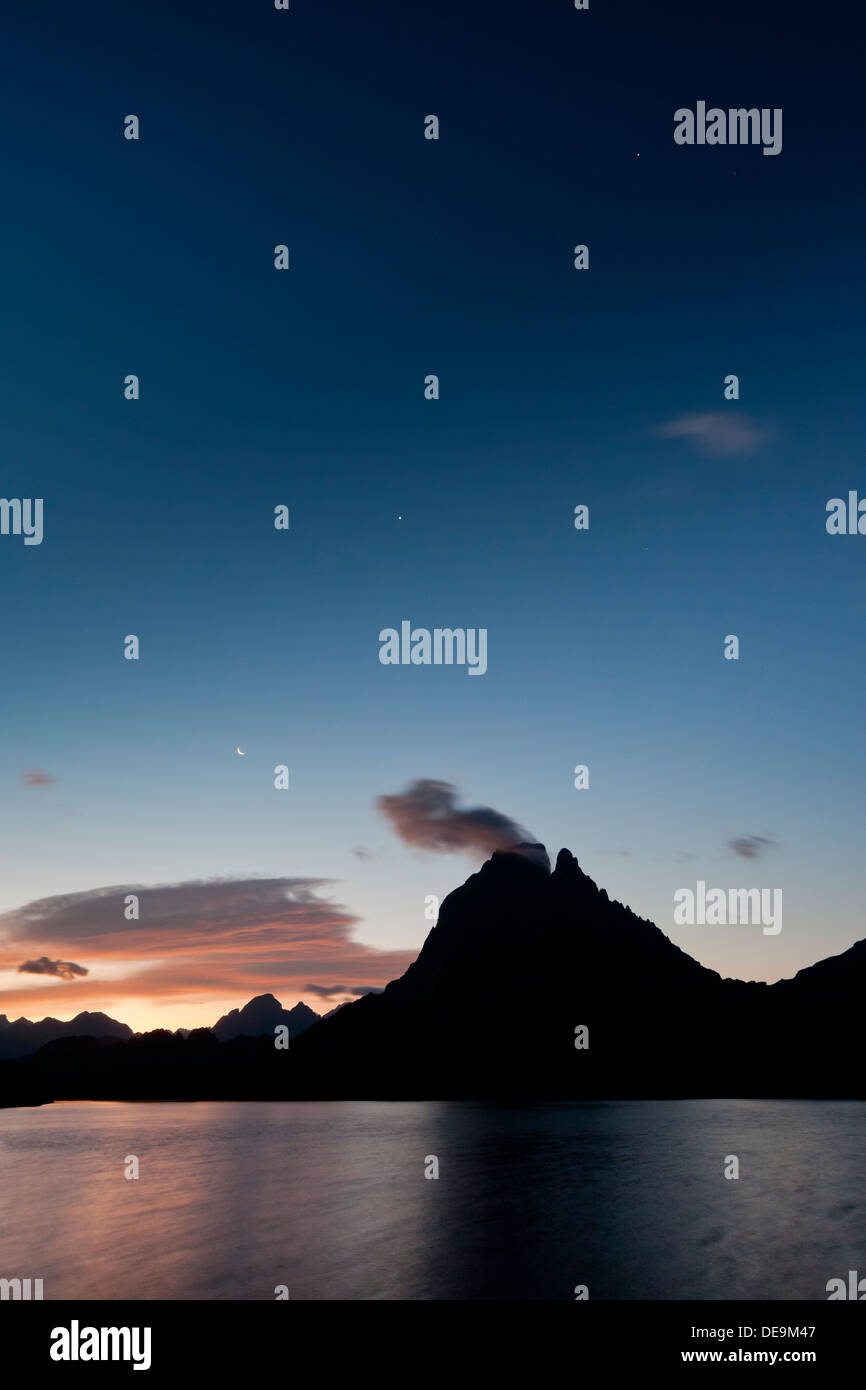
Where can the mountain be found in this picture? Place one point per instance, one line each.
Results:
(22, 1038)
(520, 962)
(262, 1015)
(520, 958)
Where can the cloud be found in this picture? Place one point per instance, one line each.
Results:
(361, 853)
(750, 846)
(194, 941)
(64, 969)
(425, 815)
(34, 777)
(721, 433)
(326, 991)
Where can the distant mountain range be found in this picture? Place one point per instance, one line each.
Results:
(261, 1015)
(22, 1038)
(522, 965)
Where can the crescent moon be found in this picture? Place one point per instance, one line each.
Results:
(242, 753)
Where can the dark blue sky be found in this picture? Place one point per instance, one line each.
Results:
(306, 387)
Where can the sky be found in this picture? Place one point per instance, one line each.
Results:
(306, 388)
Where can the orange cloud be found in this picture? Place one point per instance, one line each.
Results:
(194, 945)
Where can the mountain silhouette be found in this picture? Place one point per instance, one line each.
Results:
(521, 964)
(22, 1038)
(262, 1015)
(521, 958)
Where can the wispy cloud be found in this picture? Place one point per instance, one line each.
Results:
(750, 846)
(330, 991)
(717, 433)
(35, 777)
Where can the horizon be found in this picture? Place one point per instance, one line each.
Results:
(323, 1005)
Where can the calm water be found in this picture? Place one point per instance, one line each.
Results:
(331, 1200)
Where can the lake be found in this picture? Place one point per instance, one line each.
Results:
(330, 1199)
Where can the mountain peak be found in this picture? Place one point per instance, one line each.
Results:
(262, 1015)
(566, 862)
